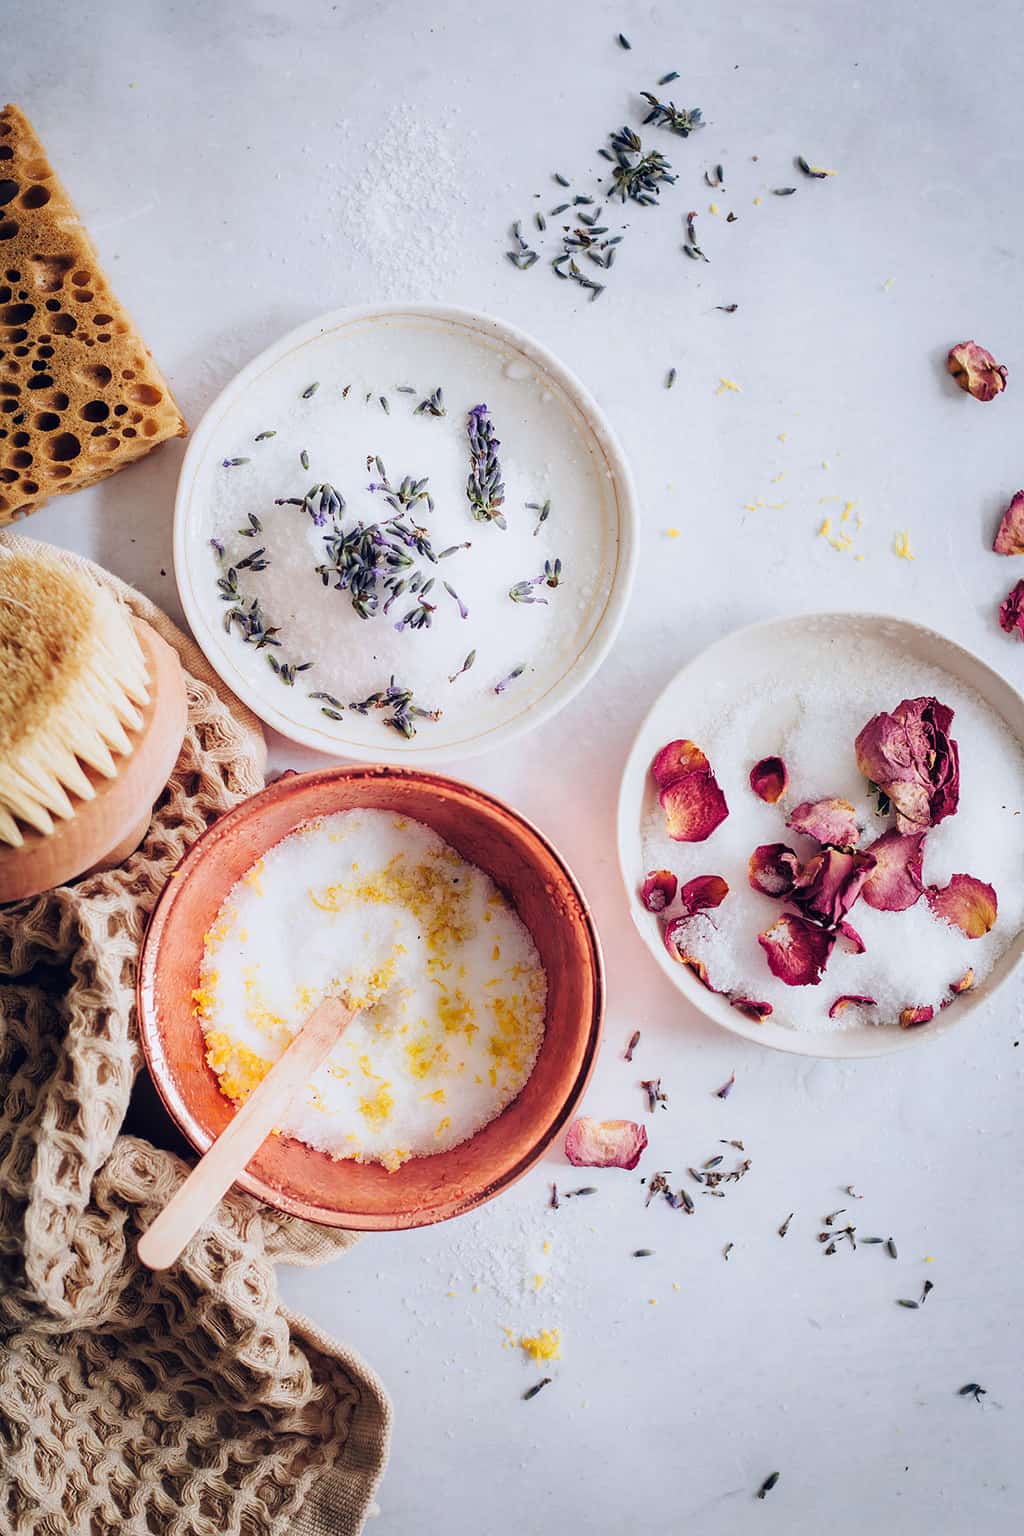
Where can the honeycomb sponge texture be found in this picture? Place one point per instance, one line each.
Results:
(80, 395)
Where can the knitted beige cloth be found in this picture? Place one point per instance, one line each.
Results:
(186, 1403)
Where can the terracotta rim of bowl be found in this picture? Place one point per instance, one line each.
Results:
(179, 1111)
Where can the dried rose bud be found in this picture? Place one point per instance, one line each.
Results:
(752, 1008)
(769, 778)
(679, 938)
(677, 759)
(911, 1017)
(850, 999)
(658, 890)
(1009, 539)
(773, 869)
(848, 932)
(1011, 611)
(895, 883)
(694, 806)
(832, 823)
(976, 370)
(910, 758)
(829, 884)
(703, 892)
(966, 903)
(797, 950)
(604, 1143)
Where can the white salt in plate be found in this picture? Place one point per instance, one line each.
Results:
(761, 691)
(555, 446)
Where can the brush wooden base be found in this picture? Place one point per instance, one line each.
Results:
(105, 830)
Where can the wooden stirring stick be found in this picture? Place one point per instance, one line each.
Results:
(162, 1243)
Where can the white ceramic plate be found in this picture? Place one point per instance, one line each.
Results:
(538, 407)
(794, 648)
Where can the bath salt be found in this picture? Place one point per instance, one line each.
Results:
(375, 907)
(493, 610)
(912, 957)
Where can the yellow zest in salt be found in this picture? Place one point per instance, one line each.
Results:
(712, 207)
(376, 1107)
(728, 385)
(538, 1282)
(901, 547)
(252, 879)
(546, 1345)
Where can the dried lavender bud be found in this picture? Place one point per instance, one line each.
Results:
(668, 115)
(634, 1041)
(310, 391)
(768, 1484)
(537, 1387)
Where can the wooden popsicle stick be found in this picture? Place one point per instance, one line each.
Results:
(190, 1205)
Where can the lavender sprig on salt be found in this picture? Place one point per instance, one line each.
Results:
(485, 488)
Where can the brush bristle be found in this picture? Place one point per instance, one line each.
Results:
(72, 676)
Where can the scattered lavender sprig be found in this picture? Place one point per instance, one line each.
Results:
(405, 496)
(321, 502)
(465, 666)
(543, 511)
(522, 257)
(463, 610)
(668, 115)
(433, 405)
(404, 711)
(484, 488)
(504, 683)
(637, 175)
(550, 576)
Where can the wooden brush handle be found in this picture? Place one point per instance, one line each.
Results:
(162, 1243)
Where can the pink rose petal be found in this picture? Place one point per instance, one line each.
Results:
(966, 903)
(677, 759)
(694, 806)
(773, 869)
(895, 883)
(848, 1000)
(848, 932)
(964, 983)
(1009, 538)
(752, 1008)
(976, 370)
(909, 756)
(829, 884)
(833, 823)
(604, 1143)
(910, 1018)
(768, 779)
(703, 892)
(1011, 611)
(658, 890)
(678, 938)
(797, 950)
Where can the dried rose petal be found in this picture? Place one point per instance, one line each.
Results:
(964, 984)
(604, 1143)
(848, 932)
(678, 938)
(1009, 538)
(768, 779)
(833, 823)
(829, 884)
(976, 370)
(1011, 611)
(658, 890)
(773, 869)
(703, 892)
(694, 806)
(797, 950)
(676, 760)
(895, 883)
(909, 756)
(966, 903)
(911, 1017)
(847, 1000)
(752, 1008)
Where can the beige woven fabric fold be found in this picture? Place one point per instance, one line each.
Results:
(188, 1403)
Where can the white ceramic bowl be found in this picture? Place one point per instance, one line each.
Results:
(791, 646)
(314, 351)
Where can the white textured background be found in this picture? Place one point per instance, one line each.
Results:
(243, 167)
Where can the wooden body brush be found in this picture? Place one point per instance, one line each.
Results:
(92, 717)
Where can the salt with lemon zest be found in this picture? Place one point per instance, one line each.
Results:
(375, 907)
(911, 957)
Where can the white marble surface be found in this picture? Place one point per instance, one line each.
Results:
(224, 157)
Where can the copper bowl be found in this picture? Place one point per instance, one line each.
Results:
(289, 1175)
